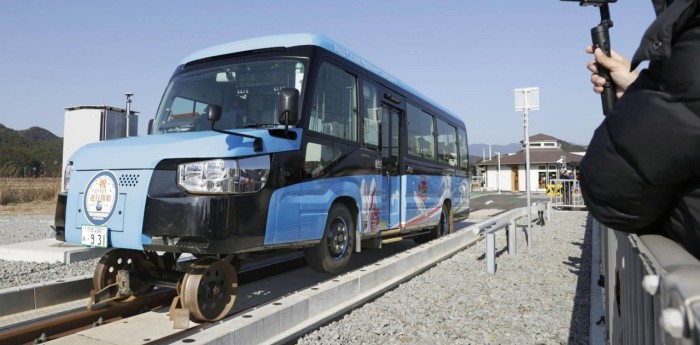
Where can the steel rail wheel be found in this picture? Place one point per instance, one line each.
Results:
(209, 289)
(109, 265)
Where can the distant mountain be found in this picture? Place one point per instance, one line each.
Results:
(37, 134)
(33, 152)
(569, 147)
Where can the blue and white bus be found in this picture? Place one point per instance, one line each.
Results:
(289, 142)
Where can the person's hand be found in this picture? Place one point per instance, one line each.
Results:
(618, 66)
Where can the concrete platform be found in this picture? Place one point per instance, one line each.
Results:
(48, 250)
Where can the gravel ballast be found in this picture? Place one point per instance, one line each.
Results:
(540, 296)
(24, 228)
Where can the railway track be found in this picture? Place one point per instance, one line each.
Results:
(270, 284)
(262, 289)
(289, 304)
(50, 328)
(281, 308)
(44, 329)
(261, 284)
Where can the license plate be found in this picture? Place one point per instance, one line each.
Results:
(94, 236)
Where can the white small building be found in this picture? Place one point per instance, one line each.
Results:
(87, 124)
(547, 158)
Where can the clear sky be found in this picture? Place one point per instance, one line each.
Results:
(467, 55)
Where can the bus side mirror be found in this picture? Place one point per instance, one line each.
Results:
(288, 105)
(213, 112)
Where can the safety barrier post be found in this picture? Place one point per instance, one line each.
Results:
(490, 231)
(491, 252)
(512, 238)
(506, 221)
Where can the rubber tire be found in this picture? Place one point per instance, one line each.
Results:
(443, 228)
(446, 219)
(319, 257)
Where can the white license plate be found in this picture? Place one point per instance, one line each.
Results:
(94, 236)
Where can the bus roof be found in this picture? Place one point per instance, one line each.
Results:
(301, 39)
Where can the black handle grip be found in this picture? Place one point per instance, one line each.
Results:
(601, 39)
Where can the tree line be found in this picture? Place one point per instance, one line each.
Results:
(34, 152)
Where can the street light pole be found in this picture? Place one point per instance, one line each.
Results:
(498, 174)
(527, 99)
(527, 177)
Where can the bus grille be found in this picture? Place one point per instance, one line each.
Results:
(128, 180)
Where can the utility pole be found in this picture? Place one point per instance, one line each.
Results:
(128, 110)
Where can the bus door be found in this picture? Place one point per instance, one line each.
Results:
(389, 149)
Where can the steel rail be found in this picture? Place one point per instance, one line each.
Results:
(51, 328)
(77, 320)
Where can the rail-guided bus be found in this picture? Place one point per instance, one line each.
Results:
(279, 143)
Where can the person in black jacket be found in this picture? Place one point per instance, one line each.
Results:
(641, 172)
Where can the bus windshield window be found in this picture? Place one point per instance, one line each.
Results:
(246, 92)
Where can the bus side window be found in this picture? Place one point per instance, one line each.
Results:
(447, 137)
(371, 115)
(318, 158)
(334, 110)
(463, 149)
(421, 142)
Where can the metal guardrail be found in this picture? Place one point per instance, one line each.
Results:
(507, 221)
(652, 289)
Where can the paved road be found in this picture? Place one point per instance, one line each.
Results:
(503, 201)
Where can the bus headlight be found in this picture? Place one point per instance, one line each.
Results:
(67, 171)
(224, 176)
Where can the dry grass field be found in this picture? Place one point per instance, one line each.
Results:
(28, 195)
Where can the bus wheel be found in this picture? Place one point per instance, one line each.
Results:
(443, 228)
(107, 270)
(209, 289)
(333, 253)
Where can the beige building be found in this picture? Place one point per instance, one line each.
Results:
(546, 159)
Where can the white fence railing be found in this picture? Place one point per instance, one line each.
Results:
(652, 289)
(565, 193)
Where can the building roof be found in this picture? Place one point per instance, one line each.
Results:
(537, 156)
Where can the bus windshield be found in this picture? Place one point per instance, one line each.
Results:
(246, 92)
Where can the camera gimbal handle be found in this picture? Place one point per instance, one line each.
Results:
(601, 39)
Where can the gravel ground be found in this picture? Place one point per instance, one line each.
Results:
(23, 228)
(540, 296)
